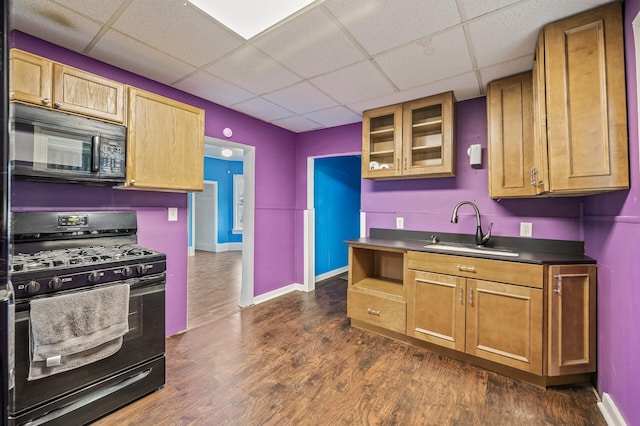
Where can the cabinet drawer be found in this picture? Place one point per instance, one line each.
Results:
(377, 310)
(487, 269)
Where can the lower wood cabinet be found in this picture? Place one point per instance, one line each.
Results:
(537, 319)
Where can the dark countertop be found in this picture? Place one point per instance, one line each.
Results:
(531, 250)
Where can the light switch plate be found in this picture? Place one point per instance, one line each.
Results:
(526, 229)
(173, 214)
(399, 222)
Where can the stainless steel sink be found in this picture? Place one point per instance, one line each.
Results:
(462, 248)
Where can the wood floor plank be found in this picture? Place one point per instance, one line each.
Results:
(296, 360)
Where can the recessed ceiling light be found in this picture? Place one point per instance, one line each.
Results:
(248, 18)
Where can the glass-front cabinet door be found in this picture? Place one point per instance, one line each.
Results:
(382, 142)
(428, 137)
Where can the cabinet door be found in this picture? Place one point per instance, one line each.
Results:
(510, 139)
(88, 94)
(435, 312)
(382, 142)
(586, 102)
(31, 78)
(572, 319)
(504, 324)
(165, 145)
(428, 137)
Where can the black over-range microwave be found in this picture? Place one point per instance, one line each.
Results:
(53, 145)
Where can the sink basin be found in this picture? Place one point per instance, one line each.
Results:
(461, 248)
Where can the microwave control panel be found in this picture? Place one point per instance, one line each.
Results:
(112, 157)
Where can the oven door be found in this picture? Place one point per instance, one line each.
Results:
(93, 390)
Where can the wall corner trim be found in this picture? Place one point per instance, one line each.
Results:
(610, 411)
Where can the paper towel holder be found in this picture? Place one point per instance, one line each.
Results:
(475, 154)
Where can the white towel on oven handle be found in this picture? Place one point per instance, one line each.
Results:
(76, 329)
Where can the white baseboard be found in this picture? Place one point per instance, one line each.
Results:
(610, 412)
(278, 292)
(192, 251)
(219, 247)
(332, 273)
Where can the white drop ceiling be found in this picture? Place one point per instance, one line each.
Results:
(319, 68)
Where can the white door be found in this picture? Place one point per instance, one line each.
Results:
(206, 217)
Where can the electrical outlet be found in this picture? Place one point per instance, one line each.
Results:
(173, 214)
(399, 222)
(526, 229)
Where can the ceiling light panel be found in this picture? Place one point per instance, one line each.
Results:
(248, 18)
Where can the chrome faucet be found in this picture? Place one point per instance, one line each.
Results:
(480, 238)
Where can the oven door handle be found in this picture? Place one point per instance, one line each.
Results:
(95, 154)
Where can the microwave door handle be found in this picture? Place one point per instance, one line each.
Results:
(95, 154)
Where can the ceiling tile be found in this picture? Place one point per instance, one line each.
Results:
(123, 52)
(310, 53)
(378, 25)
(96, 9)
(334, 116)
(181, 31)
(212, 88)
(354, 83)
(463, 86)
(474, 8)
(429, 60)
(262, 109)
(253, 70)
(506, 69)
(512, 32)
(297, 124)
(49, 21)
(301, 98)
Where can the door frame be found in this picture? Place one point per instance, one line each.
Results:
(214, 243)
(248, 231)
(309, 222)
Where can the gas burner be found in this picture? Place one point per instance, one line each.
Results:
(74, 257)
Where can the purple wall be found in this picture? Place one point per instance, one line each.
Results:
(426, 204)
(275, 190)
(612, 235)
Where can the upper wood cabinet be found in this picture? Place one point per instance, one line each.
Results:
(49, 84)
(578, 114)
(510, 142)
(411, 140)
(165, 143)
(586, 111)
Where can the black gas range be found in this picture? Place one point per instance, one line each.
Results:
(59, 251)
(61, 255)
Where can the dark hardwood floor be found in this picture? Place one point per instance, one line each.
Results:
(214, 286)
(296, 360)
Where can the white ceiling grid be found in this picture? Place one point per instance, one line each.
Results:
(319, 68)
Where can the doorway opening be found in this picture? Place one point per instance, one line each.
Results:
(332, 215)
(246, 154)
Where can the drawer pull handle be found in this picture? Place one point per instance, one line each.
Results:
(373, 312)
(466, 268)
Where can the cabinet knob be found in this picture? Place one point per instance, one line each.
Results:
(46, 101)
(57, 104)
(132, 182)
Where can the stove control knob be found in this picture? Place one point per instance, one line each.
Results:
(94, 277)
(55, 283)
(142, 268)
(127, 271)
(32, 287)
